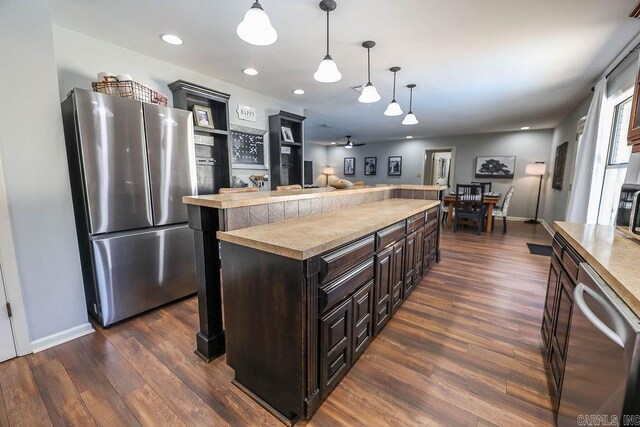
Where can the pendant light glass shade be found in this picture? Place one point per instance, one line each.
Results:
(410, 119)
(369, 94)
(327, 71)
(256, 28)
(393, 109)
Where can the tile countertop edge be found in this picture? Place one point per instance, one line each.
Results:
(298, 254)
(228, 201)
(630, 296)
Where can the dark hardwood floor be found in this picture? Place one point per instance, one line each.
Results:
(463, 350)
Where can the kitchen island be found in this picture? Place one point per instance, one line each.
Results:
(305, 297)
(209, 214)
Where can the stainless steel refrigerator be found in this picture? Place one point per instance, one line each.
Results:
(130, 163)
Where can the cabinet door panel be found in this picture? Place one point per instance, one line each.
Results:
(362, 320)
(563, 315)
(335, 348)
(397, 282)
(382, 288)
(410, 263)
(419, 254)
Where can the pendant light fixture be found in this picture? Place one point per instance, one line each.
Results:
(256, 27)
(394, 108)
(328, 70)
(369, 92)
(410, 119)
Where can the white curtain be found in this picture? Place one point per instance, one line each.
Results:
(585, 181)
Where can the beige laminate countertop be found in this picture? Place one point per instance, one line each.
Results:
(305, 237)
(612, 254)
(238, 200)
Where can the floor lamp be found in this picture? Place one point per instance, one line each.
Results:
(328, 171)
(537, 169)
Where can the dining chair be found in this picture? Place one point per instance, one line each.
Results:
(486, 186)
(238, 190)
(502, 211)
(289, 187)
(469, 204)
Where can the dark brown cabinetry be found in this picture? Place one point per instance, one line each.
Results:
(398, 276)
(558, 310)
(335, 345)
(286, 157)
(310, 320)
(633, 136)
(384, 273)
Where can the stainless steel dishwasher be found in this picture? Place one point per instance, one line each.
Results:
(601, 374)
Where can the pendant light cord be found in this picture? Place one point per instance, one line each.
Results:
(327, 33)
(369, 64)
(411, 101)
(394, 85)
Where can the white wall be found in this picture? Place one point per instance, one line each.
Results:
(79, 58)
(35, 171)
(556, 201)
(528, 147)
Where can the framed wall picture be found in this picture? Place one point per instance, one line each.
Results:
(349, 166)
(203, 117)
(395, 166)
(370, 166)
(287, 134)
(495, 167)
(559, 165)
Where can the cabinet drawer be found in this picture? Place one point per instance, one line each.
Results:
(432, 214)
(431, 226)
(362, 320)
(557, 246)
(335, 291)
(337, 262)
(571, 263)
(415, 222)
(335, 346)
(389, 235)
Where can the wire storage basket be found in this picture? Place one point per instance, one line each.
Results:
(130, 89)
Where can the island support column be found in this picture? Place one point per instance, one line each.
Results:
(205, 222)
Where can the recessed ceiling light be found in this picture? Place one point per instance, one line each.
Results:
(333, 143)
(171, 39)
(525, 128)
(298, 91)
(409, 136)
(250, 71)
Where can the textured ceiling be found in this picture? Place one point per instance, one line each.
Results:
(480, 65)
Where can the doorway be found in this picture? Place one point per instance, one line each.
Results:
(7, 344)
(439, 166)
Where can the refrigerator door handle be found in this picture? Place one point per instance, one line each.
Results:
(635, 211)
(578, 295)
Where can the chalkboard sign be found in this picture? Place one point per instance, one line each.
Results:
(247, 149)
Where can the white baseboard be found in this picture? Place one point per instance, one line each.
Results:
(61, 337)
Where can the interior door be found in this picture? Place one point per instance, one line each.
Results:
(441, 166)
(172, 162)
(7, 346)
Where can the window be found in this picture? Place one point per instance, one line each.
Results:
(617, 160)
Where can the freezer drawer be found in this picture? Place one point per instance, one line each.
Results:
(114, 162)
(172, 168)
(139, 271)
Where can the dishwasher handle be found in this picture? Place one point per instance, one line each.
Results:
(578, 295)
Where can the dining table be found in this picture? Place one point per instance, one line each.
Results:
(490, 200)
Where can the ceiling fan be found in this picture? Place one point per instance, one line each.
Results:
(349, 145)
